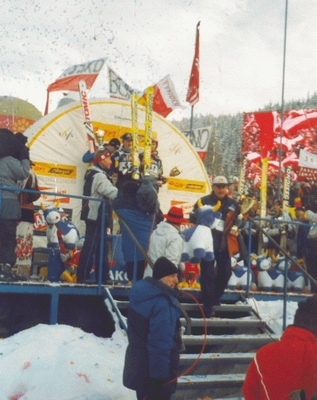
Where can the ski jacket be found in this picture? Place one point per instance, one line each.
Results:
(156, 166)
(122, 165)
(11, 172)
(153, 334)
(229, 210)
(282, 367)
(275, 226)
(166, 241)
(98, 185)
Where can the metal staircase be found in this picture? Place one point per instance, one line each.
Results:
(218, 350)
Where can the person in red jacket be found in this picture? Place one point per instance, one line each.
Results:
(290, 365)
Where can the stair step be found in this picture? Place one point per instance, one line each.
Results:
(210, 381)
(232, 398)
(260, 339)
(225, 322)
(124, 304)
(233, 307)
(210, 358)
(224, 308)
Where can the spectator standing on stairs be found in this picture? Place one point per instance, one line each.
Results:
(152, 356)
(213, 283)
(166, 240)
(290, 364)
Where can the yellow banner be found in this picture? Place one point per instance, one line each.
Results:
(186, 185)
(55, 170)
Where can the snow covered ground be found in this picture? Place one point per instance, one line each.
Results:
(60, 362)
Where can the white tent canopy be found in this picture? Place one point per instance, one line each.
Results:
(58, 141)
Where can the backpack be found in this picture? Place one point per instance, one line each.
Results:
(146, 195)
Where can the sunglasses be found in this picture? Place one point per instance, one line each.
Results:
(220, 186)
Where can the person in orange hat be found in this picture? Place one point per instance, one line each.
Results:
(166, 240)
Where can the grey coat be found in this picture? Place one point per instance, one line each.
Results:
(11, 171)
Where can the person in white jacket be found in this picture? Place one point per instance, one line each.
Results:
(166, 240)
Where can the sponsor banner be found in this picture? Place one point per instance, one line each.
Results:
(55, 170)
(199, 138)
(287, 188)
(71, 77)
(14, 123)
(306, 159)
(118, 88)
(307, 173)
(186, 185)
(165, 98)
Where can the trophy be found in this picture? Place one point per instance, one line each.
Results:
(99, 135)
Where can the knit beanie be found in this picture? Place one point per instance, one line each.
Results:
(306, 315)
(163, 267)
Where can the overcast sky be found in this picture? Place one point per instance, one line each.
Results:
(241, 48)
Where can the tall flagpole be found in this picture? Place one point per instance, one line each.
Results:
(282, 104)
(193, 86)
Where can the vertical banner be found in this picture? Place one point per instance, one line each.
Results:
(193, 86)
(148, 129)
(135, 137)
(83, 94)
(287, 188)
(241, 189)
(263, 199)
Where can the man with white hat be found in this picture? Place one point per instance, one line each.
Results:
(213, 284)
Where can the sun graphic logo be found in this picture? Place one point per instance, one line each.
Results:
(21, 124)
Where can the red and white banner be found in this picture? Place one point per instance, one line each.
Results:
(69, 80)
(193, 86)
(294, 145)
(307, 165)
(165, 97)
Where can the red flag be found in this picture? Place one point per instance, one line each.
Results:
(268, 124)
(70, 78)
(193, 86)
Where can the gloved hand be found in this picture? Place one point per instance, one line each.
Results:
(24, 153)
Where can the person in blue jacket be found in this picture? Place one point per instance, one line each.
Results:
(152, 356)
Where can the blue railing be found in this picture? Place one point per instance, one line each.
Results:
(261, 229)
(103, 217)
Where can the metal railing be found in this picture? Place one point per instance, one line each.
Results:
(256, 222)
(103, 218)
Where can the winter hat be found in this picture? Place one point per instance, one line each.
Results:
(175, 215)
(306, 315)
(220, 180)
(101, 155)
(114, 142)
(163, 267)
(126, 136)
